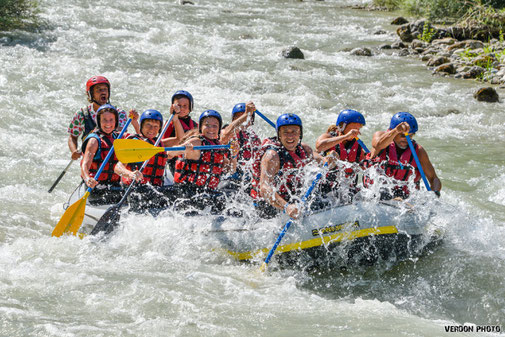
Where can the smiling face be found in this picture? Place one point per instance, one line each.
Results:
(210, 128)
(183, 102)
(150, 128)
(100, 93)
(289, 136)
(108, 122)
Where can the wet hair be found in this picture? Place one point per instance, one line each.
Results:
(332, 128)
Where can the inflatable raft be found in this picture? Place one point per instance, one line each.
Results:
(359, 233)
(362, 232)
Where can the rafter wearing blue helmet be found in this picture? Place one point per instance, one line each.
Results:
(340, 141)
(182, 105)
(394, 158)
(203, 169)
(278, 173)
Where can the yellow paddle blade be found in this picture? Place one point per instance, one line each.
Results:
(134, 150)
(72, 219)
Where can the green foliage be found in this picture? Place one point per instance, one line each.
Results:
(389, 4)
(436, 10)
(468, 54)
(480, 14)
(488, 72)
(18, 14)
(428, 33)
(484, 11)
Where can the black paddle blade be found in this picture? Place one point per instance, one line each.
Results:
(109, 220)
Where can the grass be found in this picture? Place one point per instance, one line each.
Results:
(485, 12)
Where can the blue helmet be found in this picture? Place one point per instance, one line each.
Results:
(183, 93)
(209, 113)
(151, 114)
(104, 108)
(401, 117)
(240, 107)
(350, 116)
(289, 119)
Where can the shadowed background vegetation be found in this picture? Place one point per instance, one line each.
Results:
(18, 14)
(488, 12)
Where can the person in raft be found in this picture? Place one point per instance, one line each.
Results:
(241, 129)
(198, 172)
(84, 120)
(183, 101)
(152, 178)
(391, 154)
(278, 170)
(340, 142)
(95, 147)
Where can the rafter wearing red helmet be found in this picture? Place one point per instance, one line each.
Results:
(84, 121)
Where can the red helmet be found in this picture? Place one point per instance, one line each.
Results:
(94, 81)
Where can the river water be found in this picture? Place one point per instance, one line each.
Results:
(153, 278)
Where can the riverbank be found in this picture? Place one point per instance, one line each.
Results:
(467, 50)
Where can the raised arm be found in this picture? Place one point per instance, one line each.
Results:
(381, 139)
(239, 124)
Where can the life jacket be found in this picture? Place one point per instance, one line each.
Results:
(187, 125)
(105, 143)
(249, 143)
(89, 123)
(287, 181)
(398, 168)
(155, 168)
(350, 152)
(206, 171)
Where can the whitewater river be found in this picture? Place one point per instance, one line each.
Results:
(153, 278)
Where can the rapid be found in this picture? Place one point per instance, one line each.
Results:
(159, 277)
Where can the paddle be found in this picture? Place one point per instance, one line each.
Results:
(265, 118)
(135, 150)
(109, 220)
(290, 221)
(71, 220)
(61, 176)
(362, 145)
(419, 167)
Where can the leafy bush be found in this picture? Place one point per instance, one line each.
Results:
(389, 4)
(17, 14)
(445, 10)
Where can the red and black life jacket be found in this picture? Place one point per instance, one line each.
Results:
(249, 143)
(350, 152)
(155, 168)
(398, 168)
(187, 125)
(206, 171)
(105, 143)
(288, 180)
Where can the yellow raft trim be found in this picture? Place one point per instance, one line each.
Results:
(317, 242)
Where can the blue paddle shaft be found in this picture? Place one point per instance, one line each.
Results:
(111, 152)
(265, 118)
(362, 145)
(419, 167)
(205, 147)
